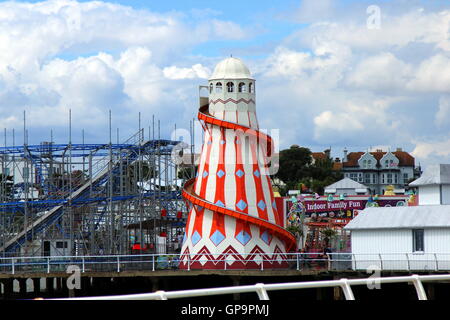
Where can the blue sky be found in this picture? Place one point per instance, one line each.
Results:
(324, 77)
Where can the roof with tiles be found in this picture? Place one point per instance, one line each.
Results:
(405, 159)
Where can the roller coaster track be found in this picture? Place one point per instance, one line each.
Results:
(189, 195)
(53, 214)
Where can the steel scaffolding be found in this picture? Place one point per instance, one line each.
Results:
(90, 199)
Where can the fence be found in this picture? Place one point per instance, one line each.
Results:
(262, 289)
(296, 261)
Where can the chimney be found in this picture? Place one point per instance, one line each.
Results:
(399, 149)
(337, 160)
(344, 159)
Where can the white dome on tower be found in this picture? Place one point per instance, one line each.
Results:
(231, 68)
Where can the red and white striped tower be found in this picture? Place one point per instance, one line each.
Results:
(233, 218)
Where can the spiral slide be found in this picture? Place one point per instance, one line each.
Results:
(190, 196)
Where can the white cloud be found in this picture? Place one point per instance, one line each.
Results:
(94, 56)
(426, 149)
(380, 72)
(411, 26)
(433, 74)
(196, 71)
(443, 115)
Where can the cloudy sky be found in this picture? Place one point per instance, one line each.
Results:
(352, 74)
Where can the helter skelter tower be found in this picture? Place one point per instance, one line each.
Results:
(233, 218)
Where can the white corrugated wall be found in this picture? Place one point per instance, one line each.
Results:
(394, 244)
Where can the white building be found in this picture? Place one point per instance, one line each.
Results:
(434, 185)
(407, 238)
(379, 169)
(346, 187)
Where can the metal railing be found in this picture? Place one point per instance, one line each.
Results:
(262, 289)
(296, 261)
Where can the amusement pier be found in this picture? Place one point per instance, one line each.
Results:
(149, 215)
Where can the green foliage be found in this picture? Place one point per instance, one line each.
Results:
(295, 230)
(296, 168)
(328, 233)
(293, 164)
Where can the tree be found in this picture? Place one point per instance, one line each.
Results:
(294, 163)
(296, 170)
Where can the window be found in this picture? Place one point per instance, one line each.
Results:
(367, 178)
(211, 88)
(382, 178)
(364, 163)
(230, 86)
(218, 87)
(369, 163)
(250, 87)
(418, 240)
(242, 87)
(61, 245)
(386, 163)
(374, 178)
(395, 178)
(405, 178)
(389, 178)
(354, 176)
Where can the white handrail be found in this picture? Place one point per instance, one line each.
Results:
(299, 261)
(261, 289)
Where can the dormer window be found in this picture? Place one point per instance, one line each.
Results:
(218, 87)
(242, 87)
(230, 87)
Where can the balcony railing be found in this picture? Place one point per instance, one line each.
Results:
(296, 261)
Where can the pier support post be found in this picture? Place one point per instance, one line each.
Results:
(430, 287)
(8, 288)
(85, 286)
(155, 284)
(337, 291)
(36, 286)
(236, 282)
(50, 285)
(319, 294)
(22, 286)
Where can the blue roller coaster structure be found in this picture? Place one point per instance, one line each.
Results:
(81, 198)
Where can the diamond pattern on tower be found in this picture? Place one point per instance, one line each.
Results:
(195, 238)
(243, 237)
(217, 237)
(257, 173)
(205, 174)
(222, 141)
(220, 203)
(241, 205)
(274, 205)
(262, 205)
(266, 237)
(220, 173)
(240, 173)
